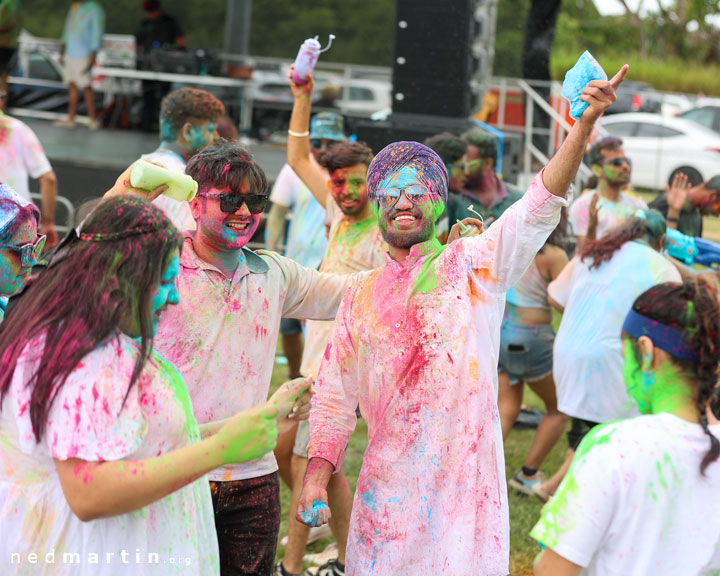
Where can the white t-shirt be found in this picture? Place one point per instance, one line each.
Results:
(178, 212)
(88, 420)
(610, 214)
(587, 356)
(306, 241)
(634, 502)
(21, 155)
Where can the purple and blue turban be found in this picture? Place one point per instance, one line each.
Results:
(430, 168)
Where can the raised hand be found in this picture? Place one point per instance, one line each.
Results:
(122, 186)
(600, 95)
(299, 91)
(676, 192)
(455, 232)
(248, 435)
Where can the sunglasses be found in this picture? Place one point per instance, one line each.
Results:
(389, 197)
(619, 162)
(29, 253)
(231, 203)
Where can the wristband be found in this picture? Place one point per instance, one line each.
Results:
(671, 219)
(299, 134)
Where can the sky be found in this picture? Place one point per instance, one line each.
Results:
(615, 7)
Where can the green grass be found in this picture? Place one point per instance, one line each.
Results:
(524, 510)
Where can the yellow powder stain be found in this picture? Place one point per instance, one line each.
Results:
(474, 369)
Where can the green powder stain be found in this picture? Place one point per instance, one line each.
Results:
(427, 279)
(182, 397)
(357, 232)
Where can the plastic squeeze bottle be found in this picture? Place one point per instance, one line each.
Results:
(307, 58)
(467, 231)
(148, 176)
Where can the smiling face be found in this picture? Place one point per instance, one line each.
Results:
(12, 273)
(404, 223)
(348, 186)
(218, 229)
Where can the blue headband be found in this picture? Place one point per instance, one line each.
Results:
(668, 338)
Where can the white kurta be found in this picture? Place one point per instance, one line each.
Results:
(417, 345)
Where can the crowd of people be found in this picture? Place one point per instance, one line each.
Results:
(136, 432)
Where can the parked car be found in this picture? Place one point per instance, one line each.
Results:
(633, 96)
(661, 146)
(707, 115)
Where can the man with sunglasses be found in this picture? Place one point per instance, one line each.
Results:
(416, 343)
(223, 336)
(598, 210)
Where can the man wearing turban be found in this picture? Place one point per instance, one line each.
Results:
(416, 344)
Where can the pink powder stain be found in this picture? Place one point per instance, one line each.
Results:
(95, 393)
(226, 169)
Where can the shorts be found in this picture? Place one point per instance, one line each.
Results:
(76, 71)
(302, 439)
(579, 428)
(290, 326)
(526, 352)
(6, 59)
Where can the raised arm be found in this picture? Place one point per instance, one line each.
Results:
(298, 152)
(560, 171)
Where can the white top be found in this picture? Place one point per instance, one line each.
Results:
(610, 214)
(21, 155)
(634, 502)
(88, 421)
(306, 240)
(178, 212)
(587, 357)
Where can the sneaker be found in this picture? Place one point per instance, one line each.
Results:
(94, 125)
(525, 485)
(316, 533)
(279, 571)
(330, 568)
(330, 553)
(540, 494)
(64, 123)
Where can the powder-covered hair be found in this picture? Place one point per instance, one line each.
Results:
(693, 307)
(448, 146)
(179, 106)
(595, 155)
(225, 165)
(486, 143)
(648, 225)
(429, 166)
(97, 281)
(344, 155)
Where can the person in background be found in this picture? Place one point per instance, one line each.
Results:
(188, 123)
(594, 293)
(22, 157)
(81, 40)
(9, 32)
(608, 201)
(451, 150)
(641, 495)
(20, 245)
(684, 206)
(489, 195)
(157, 30)
(526, 355)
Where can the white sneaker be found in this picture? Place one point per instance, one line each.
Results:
(94, 125)
(317, 533)
(65, 123)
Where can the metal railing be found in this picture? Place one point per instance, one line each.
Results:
(69, 211)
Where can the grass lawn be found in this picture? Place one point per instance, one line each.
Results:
(524, 510)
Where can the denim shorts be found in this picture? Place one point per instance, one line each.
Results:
(302, 439)
(290, 326)
(526, 352)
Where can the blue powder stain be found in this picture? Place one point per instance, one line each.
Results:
(311, 516)
(369, 501)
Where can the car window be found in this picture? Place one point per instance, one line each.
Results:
(40, 68)
(702, 116)
(361, 94)
(622, 128)
(656, 131)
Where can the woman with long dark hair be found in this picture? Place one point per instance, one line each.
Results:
(641, 495)
(102, 459)
(526, 355)
(595, 292)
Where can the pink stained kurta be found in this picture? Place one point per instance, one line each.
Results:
(416, 344)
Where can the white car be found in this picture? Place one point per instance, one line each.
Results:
(660, 146)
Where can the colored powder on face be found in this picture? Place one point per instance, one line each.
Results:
(167, 292)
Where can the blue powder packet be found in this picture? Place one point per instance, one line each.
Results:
(586, 70)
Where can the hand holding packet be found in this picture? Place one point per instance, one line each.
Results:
(586, 70)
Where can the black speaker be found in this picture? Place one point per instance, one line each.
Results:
(434, 58)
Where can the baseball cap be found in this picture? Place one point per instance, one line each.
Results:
(327, 125)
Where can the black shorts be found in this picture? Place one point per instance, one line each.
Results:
(579, 428)
(6, 58)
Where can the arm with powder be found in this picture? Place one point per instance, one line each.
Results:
(298, 152)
